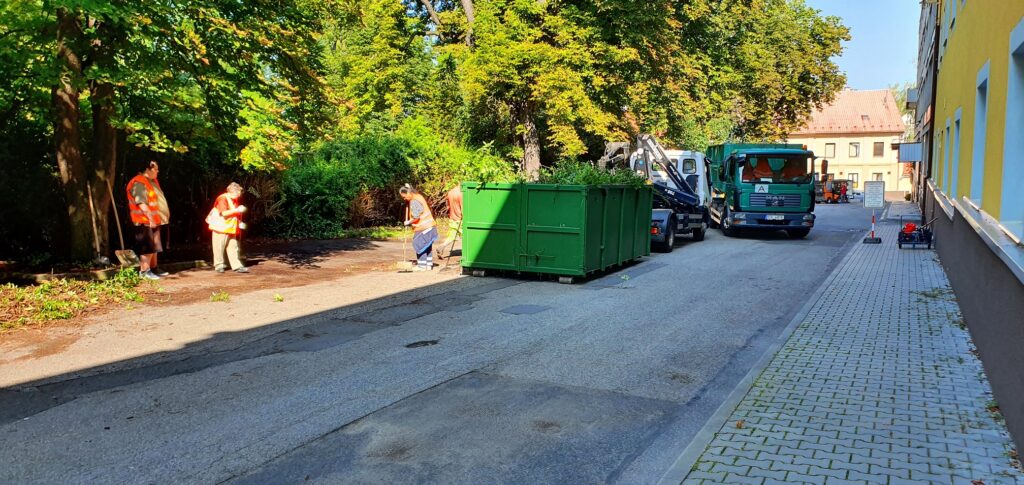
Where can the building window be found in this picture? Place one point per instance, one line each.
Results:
(1011, 208)
(980, 132)
(830, 150)
(879, 149)
(854, 150)
(876, 176)
(954, 190)
(855, 180)
(945, 161)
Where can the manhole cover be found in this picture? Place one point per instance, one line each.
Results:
(422, 343)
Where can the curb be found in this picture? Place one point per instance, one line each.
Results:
(97, 275)
(885, 212)
(692, 453)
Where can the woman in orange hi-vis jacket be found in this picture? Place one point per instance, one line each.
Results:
(419, 216)
(225, 222)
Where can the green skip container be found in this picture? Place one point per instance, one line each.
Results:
(565, 230)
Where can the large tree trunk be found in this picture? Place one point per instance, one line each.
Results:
(467, 7)
(104, 157)
(67, 138)
(531, 140)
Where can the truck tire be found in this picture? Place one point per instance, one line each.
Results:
(698, 234)
(797, 233)
(670, 238)
(726, 226)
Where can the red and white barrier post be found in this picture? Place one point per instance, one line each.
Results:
(872, 239)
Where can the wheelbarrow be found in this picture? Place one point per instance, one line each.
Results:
(914, 235)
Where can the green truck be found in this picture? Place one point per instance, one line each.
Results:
(766, 187)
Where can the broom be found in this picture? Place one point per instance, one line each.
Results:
(404, 266)
(127, 257)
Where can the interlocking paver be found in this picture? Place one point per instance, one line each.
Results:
(877, 383)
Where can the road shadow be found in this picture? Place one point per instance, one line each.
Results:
(309, 333)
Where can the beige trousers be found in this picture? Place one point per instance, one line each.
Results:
(230, 243)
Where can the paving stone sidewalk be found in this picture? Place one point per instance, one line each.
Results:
(877, 384)
(901, 208)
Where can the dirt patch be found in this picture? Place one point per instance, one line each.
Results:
(34, 343)
(273, 264)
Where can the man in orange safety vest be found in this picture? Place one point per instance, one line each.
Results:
(149, 211)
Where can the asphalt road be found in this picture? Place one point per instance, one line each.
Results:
(488, 380)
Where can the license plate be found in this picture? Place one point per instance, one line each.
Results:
(775, 217)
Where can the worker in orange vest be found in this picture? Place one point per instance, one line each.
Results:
(148, 210)
(421, 219)
(225, 222)
(454, 197)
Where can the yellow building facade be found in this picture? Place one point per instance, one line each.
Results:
(973, 54)
(978, 145)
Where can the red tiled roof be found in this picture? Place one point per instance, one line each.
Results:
(857, 112)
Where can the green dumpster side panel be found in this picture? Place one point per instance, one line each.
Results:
(491, 221)
(554, 229)
(569, 230)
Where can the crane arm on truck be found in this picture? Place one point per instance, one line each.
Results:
(653, 153)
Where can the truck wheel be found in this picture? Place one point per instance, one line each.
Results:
(797, 233)
(726, 225)
(698, 234)
(670, 238)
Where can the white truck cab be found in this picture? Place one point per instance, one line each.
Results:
(692, 166)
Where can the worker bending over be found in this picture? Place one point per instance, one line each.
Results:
(419, 217)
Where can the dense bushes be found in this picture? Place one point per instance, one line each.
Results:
(354, 181)
(573, 172)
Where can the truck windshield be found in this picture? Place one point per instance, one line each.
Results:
(776, 169)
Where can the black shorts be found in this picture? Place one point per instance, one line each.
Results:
(146, 240)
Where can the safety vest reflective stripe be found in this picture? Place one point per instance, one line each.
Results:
(138, 215)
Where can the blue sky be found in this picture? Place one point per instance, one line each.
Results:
(883, 50)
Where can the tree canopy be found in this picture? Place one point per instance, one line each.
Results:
(261, 85)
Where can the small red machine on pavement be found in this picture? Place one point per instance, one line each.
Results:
(914, 235)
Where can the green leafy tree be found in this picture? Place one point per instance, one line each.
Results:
(564, 76)
(158, 76)
(378, 62)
